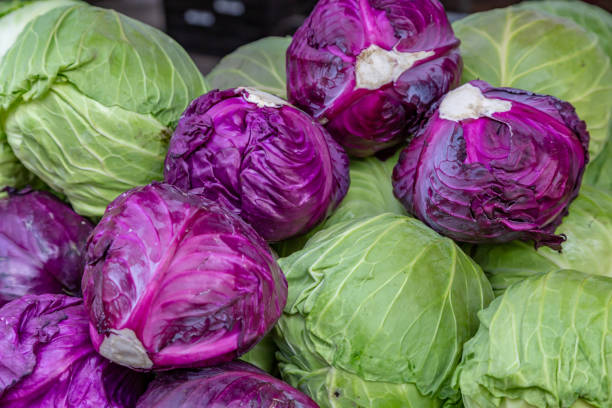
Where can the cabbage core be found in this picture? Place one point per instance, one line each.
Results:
(377, 67)
(468, 102)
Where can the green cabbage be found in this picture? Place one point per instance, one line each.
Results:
(377, 313)
(14, 16)
(588, 229)
(88, 101)
(544, 343)
(260, 64)
(523, 48)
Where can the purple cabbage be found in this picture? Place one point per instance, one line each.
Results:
(47, 360)
(494, 165)
(175, 280)
(41, 245)
(232, 385)
(370, 69)
(265, 160)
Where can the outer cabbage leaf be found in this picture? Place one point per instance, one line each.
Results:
(538, 52)
(544, 343)
(91, 163)
(42, 243)
(494, 165)
(174, 280)
(260, 64)
(599, 172)
(377, 314)
(12, 172)
(587, 16)
(370, 193)
(231, 385)
(47, 361)
(588, 248)
(14, 16)
(370, 69)
(266, 160)
(263, 355)
(91, 111)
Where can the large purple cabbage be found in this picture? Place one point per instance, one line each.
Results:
(264, 159)
(47, 360)
(174, 280)
(494, 165)
(232, 385)
(41, 245)
(370, 69)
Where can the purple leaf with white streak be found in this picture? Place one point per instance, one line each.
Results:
(370, 69)
(175, 280)
(494, 165)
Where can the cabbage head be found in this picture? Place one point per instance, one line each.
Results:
(14, 16)
(377, 313)
(520, 47)
(544, 343)
(588, 229)
(88, 101)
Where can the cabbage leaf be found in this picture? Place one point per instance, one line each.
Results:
(538, 52)
(260, 64)
(377, 313)
(544, 343)
(588, 229)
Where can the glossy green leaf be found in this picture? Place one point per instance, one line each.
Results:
(535, 51)
(588, 248)
(544, 343)
(260, 64)
(381, 306)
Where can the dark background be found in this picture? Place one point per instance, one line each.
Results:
(209, 29)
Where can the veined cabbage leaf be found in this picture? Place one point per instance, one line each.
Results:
(526, 49)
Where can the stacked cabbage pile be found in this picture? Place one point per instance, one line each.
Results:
(383, 211)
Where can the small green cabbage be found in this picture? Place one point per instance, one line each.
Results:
(88, 101)
(588, 229)
(544, 343)
(522, 48)
(260, 64)
(377, 314)
(14, 16)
